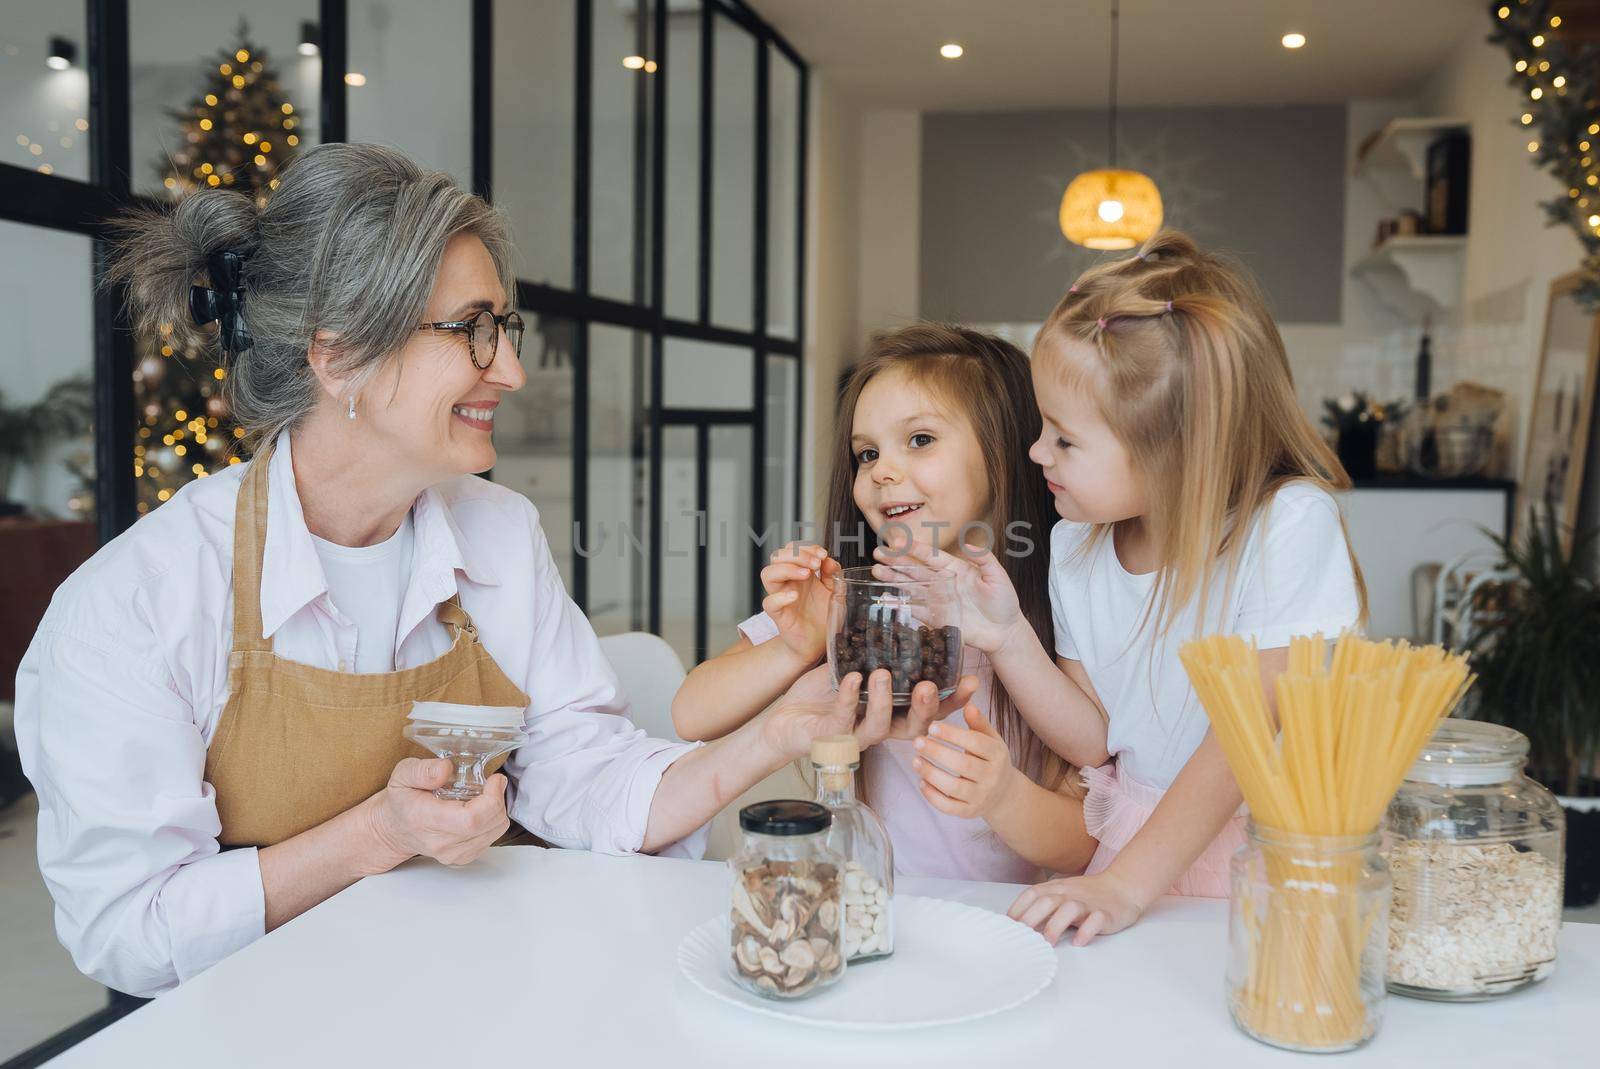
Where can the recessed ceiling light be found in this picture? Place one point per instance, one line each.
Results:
(355, 78)
(633, 63)
(951, 51)
(1294, 40)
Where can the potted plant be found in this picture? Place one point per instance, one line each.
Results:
(66, 409)
(1536, 650)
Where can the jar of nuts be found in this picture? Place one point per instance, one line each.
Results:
(904, 618)
(787, 930)
(1475, 849)
(861, 840)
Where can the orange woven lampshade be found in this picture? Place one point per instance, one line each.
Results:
(1110, 209)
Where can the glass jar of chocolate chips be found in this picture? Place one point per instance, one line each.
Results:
(904, 618)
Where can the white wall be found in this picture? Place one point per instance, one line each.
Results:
(833, 222)
(891, 218)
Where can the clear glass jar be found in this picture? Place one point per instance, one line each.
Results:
(1475, 847)
(787, 930)
(1307, 932)
(860, 839)
(906, 618)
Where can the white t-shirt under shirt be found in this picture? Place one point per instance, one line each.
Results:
(1293, 578)
(927, 842)
(367, 584)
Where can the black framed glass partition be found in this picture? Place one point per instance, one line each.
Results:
(650, 156)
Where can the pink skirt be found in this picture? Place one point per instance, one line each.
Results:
(1116, 807)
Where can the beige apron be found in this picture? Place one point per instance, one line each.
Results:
(298, 745)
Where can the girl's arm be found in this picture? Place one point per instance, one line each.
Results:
(726, 691)
(1185, 822)
(968, 773)
(1053, 696)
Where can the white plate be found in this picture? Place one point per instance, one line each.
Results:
(951, 962)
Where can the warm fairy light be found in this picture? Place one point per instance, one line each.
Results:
(1533, 146)
(218, 374)
(266, 146)
(242, 56)
(1555, 20)
(1522, 65)
(250, 139)
(1504, 12)
(205, 168)
(1560, 80)
(211, 100)
(288, 109)
(170, 183)
(1294, 40)
(163, 494)
(260, 161)
(355, 78)
(205, 124)
(1527, 117)
(650, 66)
(293, 140)
(1537, 93)
(238, 81)
(81, 124)
(1538, 40)
(225, 69)
(633, 63)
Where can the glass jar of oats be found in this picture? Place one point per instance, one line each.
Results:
(1475, 849)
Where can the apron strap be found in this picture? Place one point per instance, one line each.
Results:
(249, 543)
(453, 616)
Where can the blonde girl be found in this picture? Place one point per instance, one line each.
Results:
(934, 427)
(1195, 497)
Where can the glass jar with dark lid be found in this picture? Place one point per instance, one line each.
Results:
(786, 911)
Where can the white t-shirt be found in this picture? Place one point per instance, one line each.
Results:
(367, 584)
(1293, 578)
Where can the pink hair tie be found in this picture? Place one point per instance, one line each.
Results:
(1101, 323)
(1073, 289)
(1169, 307)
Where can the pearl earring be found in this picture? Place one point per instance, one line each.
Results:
(352, 410)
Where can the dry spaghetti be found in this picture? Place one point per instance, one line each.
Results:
(1324, 769)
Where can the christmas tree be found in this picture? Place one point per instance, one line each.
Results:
(237, 132)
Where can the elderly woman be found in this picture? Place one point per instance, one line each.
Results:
(212, 708)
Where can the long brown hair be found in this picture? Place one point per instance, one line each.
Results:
(986, 382)
(1191, 375)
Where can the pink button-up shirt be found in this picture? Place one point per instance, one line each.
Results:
(121, 690)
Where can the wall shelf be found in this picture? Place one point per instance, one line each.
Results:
(1415, 273)
(1403, 143)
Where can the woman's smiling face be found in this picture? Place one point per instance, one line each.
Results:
(916, 464)
(432, 410)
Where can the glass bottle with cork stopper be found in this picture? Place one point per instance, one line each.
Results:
(860, 838)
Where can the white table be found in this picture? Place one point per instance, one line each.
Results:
(572, 962)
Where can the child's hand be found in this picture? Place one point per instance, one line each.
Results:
(799, 581)
(1096, 905)
(978, 780)
(990, 611)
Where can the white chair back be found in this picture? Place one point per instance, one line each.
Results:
(651, 674)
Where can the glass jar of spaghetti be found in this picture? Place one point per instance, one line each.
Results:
(1476, 851)
(1307, 931)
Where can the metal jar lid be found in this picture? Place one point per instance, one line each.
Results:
(1470, 753)
(785, 817)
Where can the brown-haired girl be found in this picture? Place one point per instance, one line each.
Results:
(1195, 498)
(933, 432)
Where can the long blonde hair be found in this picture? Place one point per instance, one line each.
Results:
(1191, 376)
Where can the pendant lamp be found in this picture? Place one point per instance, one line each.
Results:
(1111, 208)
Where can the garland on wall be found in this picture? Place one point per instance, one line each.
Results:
(1561, 115)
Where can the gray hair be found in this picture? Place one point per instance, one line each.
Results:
(348, 246)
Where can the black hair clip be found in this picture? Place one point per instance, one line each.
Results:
(223, 301)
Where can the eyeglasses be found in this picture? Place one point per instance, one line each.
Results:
(482, 330)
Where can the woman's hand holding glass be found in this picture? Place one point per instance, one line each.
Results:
(407, 820)
(812, 708)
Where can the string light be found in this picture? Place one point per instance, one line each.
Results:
(1527, 117)
(1533, 146)
(1538, 40)
(1555, 20)
(1522, 65)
